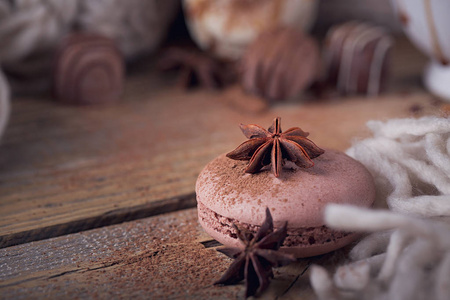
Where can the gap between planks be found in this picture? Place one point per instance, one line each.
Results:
(109, 218)
(162, 256)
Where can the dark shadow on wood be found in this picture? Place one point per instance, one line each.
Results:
(211, 244)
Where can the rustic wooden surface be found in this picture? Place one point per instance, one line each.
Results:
(67, 169)
(166, 256)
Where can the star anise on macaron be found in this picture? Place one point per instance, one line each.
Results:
(254, 262)
(273, 146)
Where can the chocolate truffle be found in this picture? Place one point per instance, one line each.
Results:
(280, 64)
(89, 69)
(226, 28)
(356, 58)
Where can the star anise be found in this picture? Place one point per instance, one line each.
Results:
(273, 146)
(254, 263)
(195, 68)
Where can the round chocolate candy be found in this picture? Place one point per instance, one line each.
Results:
(89, 69)
(280, 64)
(356, 58)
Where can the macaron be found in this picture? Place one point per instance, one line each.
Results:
(227, 195)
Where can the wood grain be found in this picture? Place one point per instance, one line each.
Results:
(159, 257)
(64, 169)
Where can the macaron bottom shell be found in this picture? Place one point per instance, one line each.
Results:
(307, 248)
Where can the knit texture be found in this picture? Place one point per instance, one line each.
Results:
(410, 161)
(408, 254)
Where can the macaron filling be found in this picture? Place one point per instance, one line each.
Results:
(297, 237)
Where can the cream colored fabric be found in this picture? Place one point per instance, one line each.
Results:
(407, 254)
(410, 161)
(406, 258)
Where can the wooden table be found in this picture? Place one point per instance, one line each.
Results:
(68, 174)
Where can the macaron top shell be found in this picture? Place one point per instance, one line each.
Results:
(297, 195)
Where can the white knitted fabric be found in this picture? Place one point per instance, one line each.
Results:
(408, 255)
(410, 161)
(407, 263)
(4, 103)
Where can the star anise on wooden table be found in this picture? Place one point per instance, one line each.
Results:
(195, 67)
(255, 261)
(273, 146)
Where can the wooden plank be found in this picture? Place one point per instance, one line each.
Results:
(65, 169)
(159, 257)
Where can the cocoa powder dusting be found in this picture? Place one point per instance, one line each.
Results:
(225, 171)
(154, 258)
(236, 187)
(403, 17)
(445, 110)
(175, 267)
(199, 9)
(157, 264)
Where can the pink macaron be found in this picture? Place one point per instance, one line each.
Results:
(226, 195)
